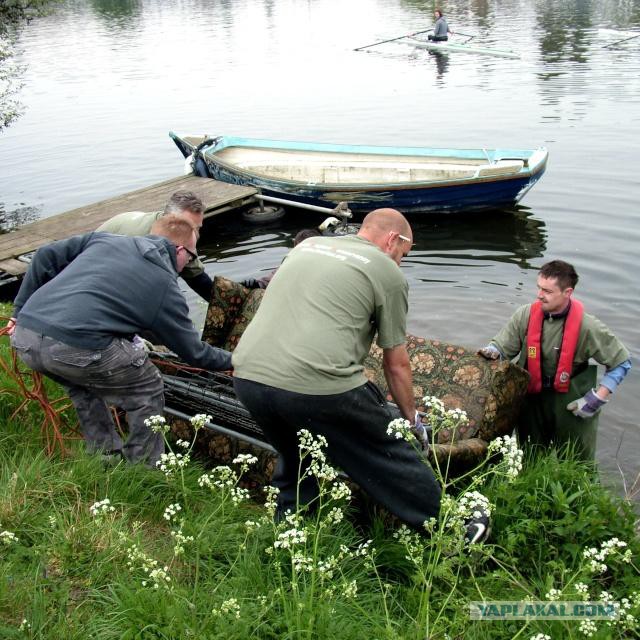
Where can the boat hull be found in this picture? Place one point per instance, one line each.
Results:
(446, 46)
(442, 196)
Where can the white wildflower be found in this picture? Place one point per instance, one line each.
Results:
(239, 494)
(271, 502)
(512, 455)
(400, 429)
(183, 444)
(350, 590)
(229, 607)
(171, 511)
(340, 491)
(287, 539)
(245, 460)
(587, 627)
(101, 508)
(553, 594)
(170, 462)
(582, 589)
(596, 557)
(198, 421)
(157, 424)
(180, 540)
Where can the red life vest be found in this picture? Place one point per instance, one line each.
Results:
(569, 343)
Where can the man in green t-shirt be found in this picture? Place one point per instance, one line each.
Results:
(138, 223)
(554, 340)
(299, 365)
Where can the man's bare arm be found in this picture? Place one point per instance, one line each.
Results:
(397, 371)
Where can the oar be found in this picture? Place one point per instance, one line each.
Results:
(619, 41)
(366, 46)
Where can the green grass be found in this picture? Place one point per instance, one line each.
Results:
(72, 575)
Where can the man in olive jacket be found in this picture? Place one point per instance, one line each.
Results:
(80, 306)
(138, 223)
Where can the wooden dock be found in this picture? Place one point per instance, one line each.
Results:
(218, 197)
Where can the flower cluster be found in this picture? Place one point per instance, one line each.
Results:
(245, 460)
(7, 537)
(314, 448)
(25, 625)
(413, 544)
(199, 420)
(183, 444)
(597, 557)
(512, 454)
(239, 494)
(587, 627)
(541, 636)
(156, 576)
(271, 502)
(101, 508)
(229, 607)
(171, 511)
(157, 424)
(471, 505)
(219, 477)
(289, 538)
(400, 429)
(340, 491)
(350, 590)
(181, 540)
(170, 462)
(582, 590)
(441, 418)
(553, 594)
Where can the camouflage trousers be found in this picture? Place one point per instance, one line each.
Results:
(119, 375)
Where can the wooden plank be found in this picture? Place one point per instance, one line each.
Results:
(13, 267)
(217, 197)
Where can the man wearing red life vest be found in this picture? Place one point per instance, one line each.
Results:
(554, 339)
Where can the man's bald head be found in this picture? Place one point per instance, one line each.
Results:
(389, 230)
(381, 221)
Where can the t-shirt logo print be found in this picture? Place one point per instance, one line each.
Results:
(532, 352)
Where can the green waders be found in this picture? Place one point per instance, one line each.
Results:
(544, 418)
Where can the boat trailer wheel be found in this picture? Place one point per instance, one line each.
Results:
(258, 215)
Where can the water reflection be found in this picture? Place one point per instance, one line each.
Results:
(514, 237)
(442, 62)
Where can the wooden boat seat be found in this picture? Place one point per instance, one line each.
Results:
(490, 392)
(322, 168)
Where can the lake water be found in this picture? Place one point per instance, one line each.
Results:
(107, 79)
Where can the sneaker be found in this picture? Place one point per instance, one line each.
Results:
(477, 529)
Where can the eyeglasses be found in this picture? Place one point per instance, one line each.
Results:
(192, 256)
(404, 238)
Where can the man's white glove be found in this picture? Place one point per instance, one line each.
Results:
(587, 406)
(490, 352)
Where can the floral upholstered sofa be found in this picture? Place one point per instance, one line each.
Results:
(490, 392)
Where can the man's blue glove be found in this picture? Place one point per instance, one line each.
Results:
(587, 406)
(422, 431)
(490, 352)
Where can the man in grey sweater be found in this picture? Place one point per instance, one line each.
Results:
(79, 307)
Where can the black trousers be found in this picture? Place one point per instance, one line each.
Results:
(355, 426)
(437, 38)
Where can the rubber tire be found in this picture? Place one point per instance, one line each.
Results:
(257, 215)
